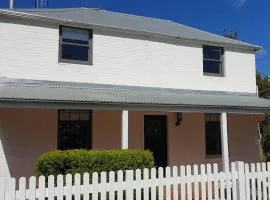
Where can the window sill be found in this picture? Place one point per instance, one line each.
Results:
(64, 61)
(213, 74)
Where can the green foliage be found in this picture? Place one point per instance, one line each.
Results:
(266, 138)
(230, 34)
(81, 161)
(263, 83)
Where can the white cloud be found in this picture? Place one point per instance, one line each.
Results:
(239, 3)
(262, 53)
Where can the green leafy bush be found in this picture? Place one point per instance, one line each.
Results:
(81, 161)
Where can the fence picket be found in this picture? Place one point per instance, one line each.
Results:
(22, 189)
(68, 188)
(32, 188)
(228, 185)
(95, 186)
(111, 185)
(209, 182)
(203, 182)
(120, 179)
(253, 183)
(259, 181)
(139, 186)
(196, 182)
(189, 183)
(247, 177)
(129, 186)
(2, 189)
(234, 181)
(168, 184)
(10, 189)
(51, 187)
(103, 181)
(183, 182)
(153, 184)
(60, 189)
(161, 183)
(216, 179)
(77, 192)
(222, 186)
(145, 185)
(264, 189)
(268, 178)
(41, 187)
(175, 183)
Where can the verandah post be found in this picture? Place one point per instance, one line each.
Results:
(124, 137)
(224, 141)
(240, 182)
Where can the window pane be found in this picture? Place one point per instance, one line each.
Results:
(75, 34)
(72, 52)
(212, 117)
(212, 53)
(84, 115)
(75, 41)
(212, 67)
(64, 116)
(74, 116)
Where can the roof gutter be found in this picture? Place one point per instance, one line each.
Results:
(48, 104)
(28, 16)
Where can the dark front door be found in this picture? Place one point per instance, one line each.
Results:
(155, 137)
(74, 129)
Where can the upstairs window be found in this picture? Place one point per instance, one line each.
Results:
(213, 60)
(75, 45)
(213, 134)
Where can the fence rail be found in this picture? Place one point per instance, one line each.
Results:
(243, 181)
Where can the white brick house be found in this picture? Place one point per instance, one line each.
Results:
(88, 78)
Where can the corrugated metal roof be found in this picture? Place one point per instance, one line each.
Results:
(130, 22)
(32, 90)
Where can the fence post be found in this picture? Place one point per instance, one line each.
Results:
(240, 183)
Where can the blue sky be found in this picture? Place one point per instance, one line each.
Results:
(250, 18)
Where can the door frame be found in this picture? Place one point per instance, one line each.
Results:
(162, 116)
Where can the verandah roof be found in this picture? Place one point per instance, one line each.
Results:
(51, 94)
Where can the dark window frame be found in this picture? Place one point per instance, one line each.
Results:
(90, 47)
(214, 119)
(220, 61)
(89, 136)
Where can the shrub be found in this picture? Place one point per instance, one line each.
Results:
(81, 161)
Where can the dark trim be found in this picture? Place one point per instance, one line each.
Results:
(90, 47)
(89, 137)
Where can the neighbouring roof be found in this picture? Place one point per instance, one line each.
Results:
(103, 18)
(93, 95)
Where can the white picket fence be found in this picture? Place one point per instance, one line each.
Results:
(244, 181)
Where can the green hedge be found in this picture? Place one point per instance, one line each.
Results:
(81, 161)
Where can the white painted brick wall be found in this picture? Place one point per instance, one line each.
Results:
(31, 52)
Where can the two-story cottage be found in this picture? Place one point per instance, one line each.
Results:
(89, 78)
